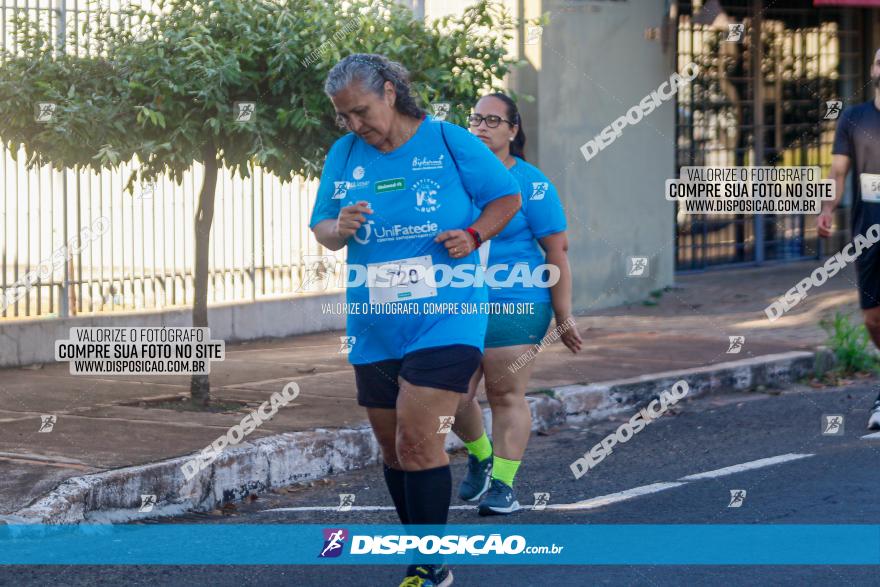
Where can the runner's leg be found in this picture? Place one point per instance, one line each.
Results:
(868, 273)
(872, 323)
(420, 449)
(469, 428)
(511, 417)
(384, 423)
(468, 424)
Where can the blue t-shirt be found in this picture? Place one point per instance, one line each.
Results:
(416, 192)
(541, 215)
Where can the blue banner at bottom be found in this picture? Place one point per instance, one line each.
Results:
(571, 544)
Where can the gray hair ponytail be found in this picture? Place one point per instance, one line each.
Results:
(373, 71)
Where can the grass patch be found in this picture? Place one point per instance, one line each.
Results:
(852, 348)
(654, 296)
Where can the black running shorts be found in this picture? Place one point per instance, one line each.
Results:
(868, 272)
(444, 367)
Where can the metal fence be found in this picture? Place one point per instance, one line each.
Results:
(145, 260)
(761, 101)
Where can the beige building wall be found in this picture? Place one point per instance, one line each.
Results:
(591, 64)
(595, 64)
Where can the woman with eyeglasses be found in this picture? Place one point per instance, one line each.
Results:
(399, 191)
(534, 237)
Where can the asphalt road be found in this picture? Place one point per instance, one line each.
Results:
(837, 484)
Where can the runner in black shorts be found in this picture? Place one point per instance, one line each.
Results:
(401, 192)
(857, 146)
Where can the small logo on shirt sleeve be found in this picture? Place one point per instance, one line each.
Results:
(539, 190)
(340, 190)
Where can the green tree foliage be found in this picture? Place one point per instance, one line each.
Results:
(163, 88)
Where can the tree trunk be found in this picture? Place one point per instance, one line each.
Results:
(200, 386)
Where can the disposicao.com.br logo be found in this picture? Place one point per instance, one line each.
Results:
(334, 541)
(449, 544)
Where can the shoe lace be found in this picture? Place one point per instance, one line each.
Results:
(501, 490)
(413, 581)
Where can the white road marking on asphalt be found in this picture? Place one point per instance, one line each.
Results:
(746, 466)
(320, 508)
(871, 436)
(355, 508)
(257, 383)
(603, 500)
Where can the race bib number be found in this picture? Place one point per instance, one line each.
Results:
(870, 183)
(400, 280)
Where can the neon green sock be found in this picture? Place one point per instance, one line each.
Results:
(480, 448)
(504, 470)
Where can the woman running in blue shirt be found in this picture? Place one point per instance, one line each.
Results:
(399, 192)
(506, 363)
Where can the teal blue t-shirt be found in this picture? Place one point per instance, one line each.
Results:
(541, 215)
(416, 192)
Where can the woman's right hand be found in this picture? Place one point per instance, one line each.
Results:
(351, 218)
(570, 335)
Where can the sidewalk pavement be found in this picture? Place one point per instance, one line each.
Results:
(100, 427)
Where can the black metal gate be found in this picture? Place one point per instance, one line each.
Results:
(761, 100)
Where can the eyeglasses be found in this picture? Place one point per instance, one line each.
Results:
(492, 121)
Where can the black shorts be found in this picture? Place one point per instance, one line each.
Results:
(868, 272)
(443, 367)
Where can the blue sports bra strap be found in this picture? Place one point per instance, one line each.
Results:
(451, 154)
(350, 149)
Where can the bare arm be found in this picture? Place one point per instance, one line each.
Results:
(496, 215)
(334, 233)
(840, 165)
(556, 248)
(326, 234)
(493, 219)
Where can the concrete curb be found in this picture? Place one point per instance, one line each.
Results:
(599, 400)
(273, 461)
(279, 460)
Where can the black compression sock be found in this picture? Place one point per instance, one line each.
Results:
(428, 495)
(395, 479)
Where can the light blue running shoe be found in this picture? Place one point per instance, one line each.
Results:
(476, 480)
(499, 500)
